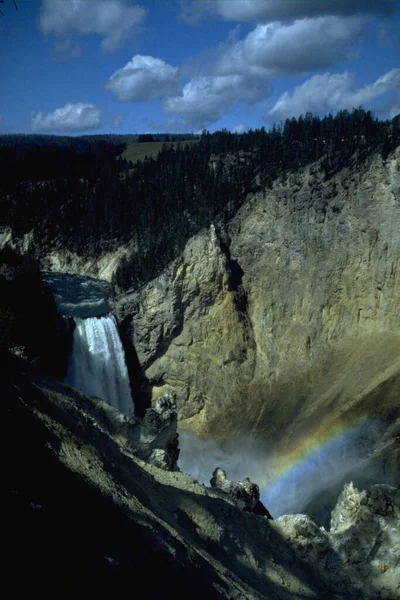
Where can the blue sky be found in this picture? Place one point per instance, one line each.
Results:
(119, 66)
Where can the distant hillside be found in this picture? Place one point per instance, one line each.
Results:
(139, 151)
(84, 141)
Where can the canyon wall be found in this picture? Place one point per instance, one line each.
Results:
(288, 316)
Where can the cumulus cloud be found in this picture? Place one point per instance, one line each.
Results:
(270, 50)
(269, 11)
(144, 78)
(205, 98)
(302, 46)
(324, 93)
(71, 117)
(115, 20)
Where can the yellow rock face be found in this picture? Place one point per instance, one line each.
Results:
(297, 324)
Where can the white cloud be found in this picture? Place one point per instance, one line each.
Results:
(144, 78)
(269, 11)
(115, 20)
(324, 93)
(205, 98)
(71, 117)
(117, 121)
(302, 46)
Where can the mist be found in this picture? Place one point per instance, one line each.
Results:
(291, 483)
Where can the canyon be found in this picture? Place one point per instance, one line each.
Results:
(273, 344)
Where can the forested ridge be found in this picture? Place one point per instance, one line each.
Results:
(84, 197)
(82, 142)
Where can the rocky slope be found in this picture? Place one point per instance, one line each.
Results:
(86, 511)
(65, 261)
(286, 322)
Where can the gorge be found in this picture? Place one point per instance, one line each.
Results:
(277, 330)
(200, 299)
(307, 333)
(271, 342)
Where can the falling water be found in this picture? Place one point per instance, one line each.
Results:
(97, 363)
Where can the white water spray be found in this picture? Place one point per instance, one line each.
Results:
(97, 363)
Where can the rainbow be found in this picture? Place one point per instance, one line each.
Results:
(316, 461)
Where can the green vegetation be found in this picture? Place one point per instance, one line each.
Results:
(74, 197)
(142, 150)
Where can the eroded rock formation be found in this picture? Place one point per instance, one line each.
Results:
(246, 494)
(158, 438)
(363, 541)
(288, 317)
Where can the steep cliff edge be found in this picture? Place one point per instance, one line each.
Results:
(85, 510)
(286, 324)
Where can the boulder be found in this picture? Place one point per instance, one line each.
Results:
(245, 493)
(158, 441)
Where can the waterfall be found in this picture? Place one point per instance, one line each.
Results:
(97, 363)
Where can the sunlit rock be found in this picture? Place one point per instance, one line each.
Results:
(246, 494)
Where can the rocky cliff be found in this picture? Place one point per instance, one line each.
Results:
(286, 318)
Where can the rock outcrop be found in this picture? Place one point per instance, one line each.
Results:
(363, 541)
(187, 331)
(246, 494)
(153, 438)
(158, 437)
